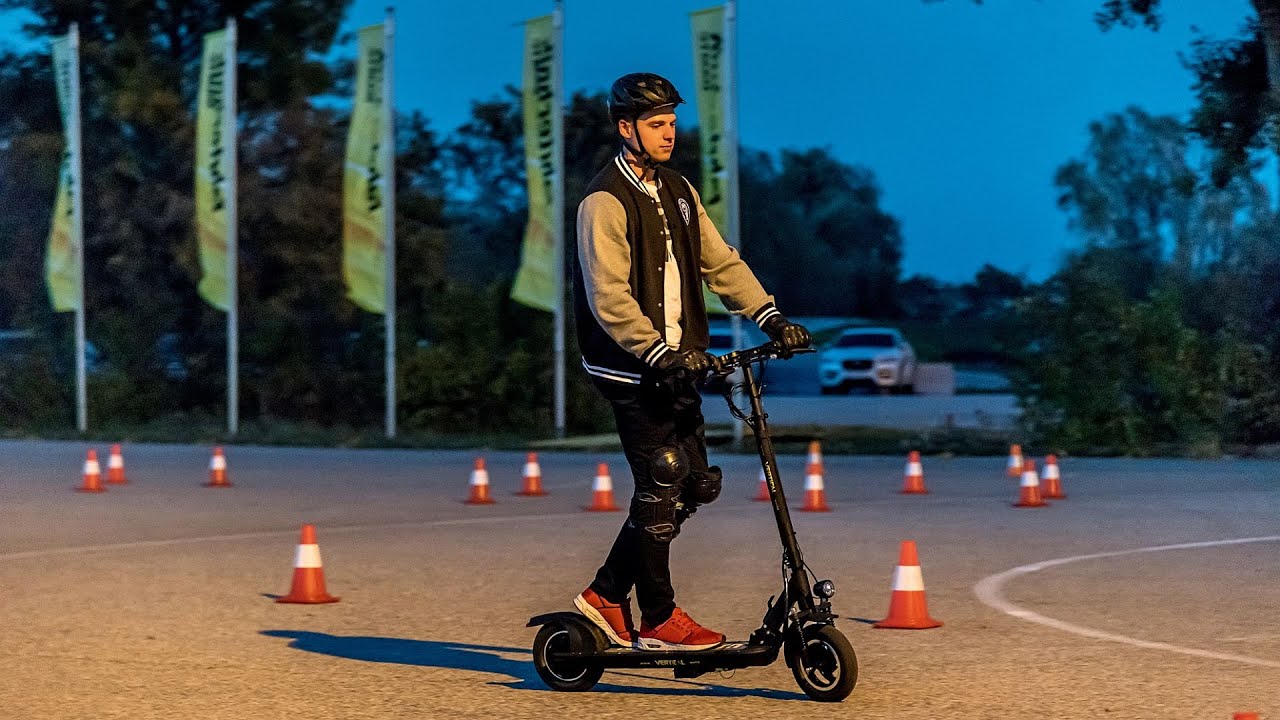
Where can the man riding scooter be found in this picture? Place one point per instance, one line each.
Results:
(645, 247)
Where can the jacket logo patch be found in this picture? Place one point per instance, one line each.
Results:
(684, 210)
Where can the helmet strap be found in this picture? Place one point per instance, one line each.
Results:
(638, 151)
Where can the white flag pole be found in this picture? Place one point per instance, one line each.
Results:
(557, 209)
(389, 205)
(230, 148)
(77, 222)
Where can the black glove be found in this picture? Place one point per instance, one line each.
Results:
(786, 333)
(692, 362)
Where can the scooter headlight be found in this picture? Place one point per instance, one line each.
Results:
(824, 589)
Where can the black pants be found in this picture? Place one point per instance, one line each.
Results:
(650, 417)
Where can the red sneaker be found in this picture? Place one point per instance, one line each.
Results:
(613, 619)
(679, 632)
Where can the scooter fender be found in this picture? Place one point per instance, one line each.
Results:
(584, 636)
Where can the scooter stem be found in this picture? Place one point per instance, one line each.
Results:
(798, 590)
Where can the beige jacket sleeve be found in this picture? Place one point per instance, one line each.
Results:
(725, 271)
(605, 257)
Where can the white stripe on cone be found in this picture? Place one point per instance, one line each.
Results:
(603, 483)
(480, 477)
(1029, 479)
(91, 467)
(531, 469)
(813, 481)
(908, 578)
(308, 556)
(115, 462)
(218, 462)
(1050, 472)
(914, 469)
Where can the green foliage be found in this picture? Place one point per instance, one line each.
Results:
(32, 393)
(1129, 13)
(1232, 86)
(1107, 372)
(1160, 335)
(814, 212)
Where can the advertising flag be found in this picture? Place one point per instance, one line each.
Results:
(708, 75)
(535, 283)
(364, 185)
(62, 262)
(213, 170)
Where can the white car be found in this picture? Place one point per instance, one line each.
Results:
(878, 358)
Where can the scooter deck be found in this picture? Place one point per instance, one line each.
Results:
(725, 656)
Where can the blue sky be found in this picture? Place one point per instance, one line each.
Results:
(963, 112)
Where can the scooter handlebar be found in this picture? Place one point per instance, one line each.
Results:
(726, 364)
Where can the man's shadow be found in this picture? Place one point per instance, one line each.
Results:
(487, 659)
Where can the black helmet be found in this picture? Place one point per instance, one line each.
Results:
(636, 94)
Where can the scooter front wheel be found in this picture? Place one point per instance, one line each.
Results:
(557, 672)
(826, 668)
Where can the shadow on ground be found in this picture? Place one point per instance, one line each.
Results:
(489, 659)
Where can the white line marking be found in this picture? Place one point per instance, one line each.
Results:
(988, 591)
(53, 552)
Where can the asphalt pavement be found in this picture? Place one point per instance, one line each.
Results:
(1150, 592)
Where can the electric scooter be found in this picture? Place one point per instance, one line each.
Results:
(570, 653)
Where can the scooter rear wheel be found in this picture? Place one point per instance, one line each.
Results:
(557, 673)
(830, 670)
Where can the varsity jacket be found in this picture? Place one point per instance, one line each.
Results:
(619, 272)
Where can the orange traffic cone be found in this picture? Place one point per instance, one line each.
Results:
(763, 494)
(479, 485)
(1014, 467)
(602, 491)
(218, 470)
(815, 495)
(308, 573)
(913, 477)
(907, 607)
(115, 467)
(92, 474)
(532, 477)
(815, 453)
(1050, 479)
(1029, 492)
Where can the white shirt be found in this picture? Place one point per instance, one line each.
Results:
(672, 306)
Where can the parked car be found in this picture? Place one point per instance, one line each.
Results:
(878, 358)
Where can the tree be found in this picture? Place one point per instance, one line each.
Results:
(1136, 190)
(1133, 190)
(820, 215)
(1238, 82)
(1103, 371)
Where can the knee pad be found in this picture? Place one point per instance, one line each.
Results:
(704, 485)
(668, 467)
(654, 513)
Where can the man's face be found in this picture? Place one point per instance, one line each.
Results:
(657, 129)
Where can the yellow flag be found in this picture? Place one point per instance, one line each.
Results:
(708, 75)
(213, 170)
(364, 227)
(62, 263)
(535, 280)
